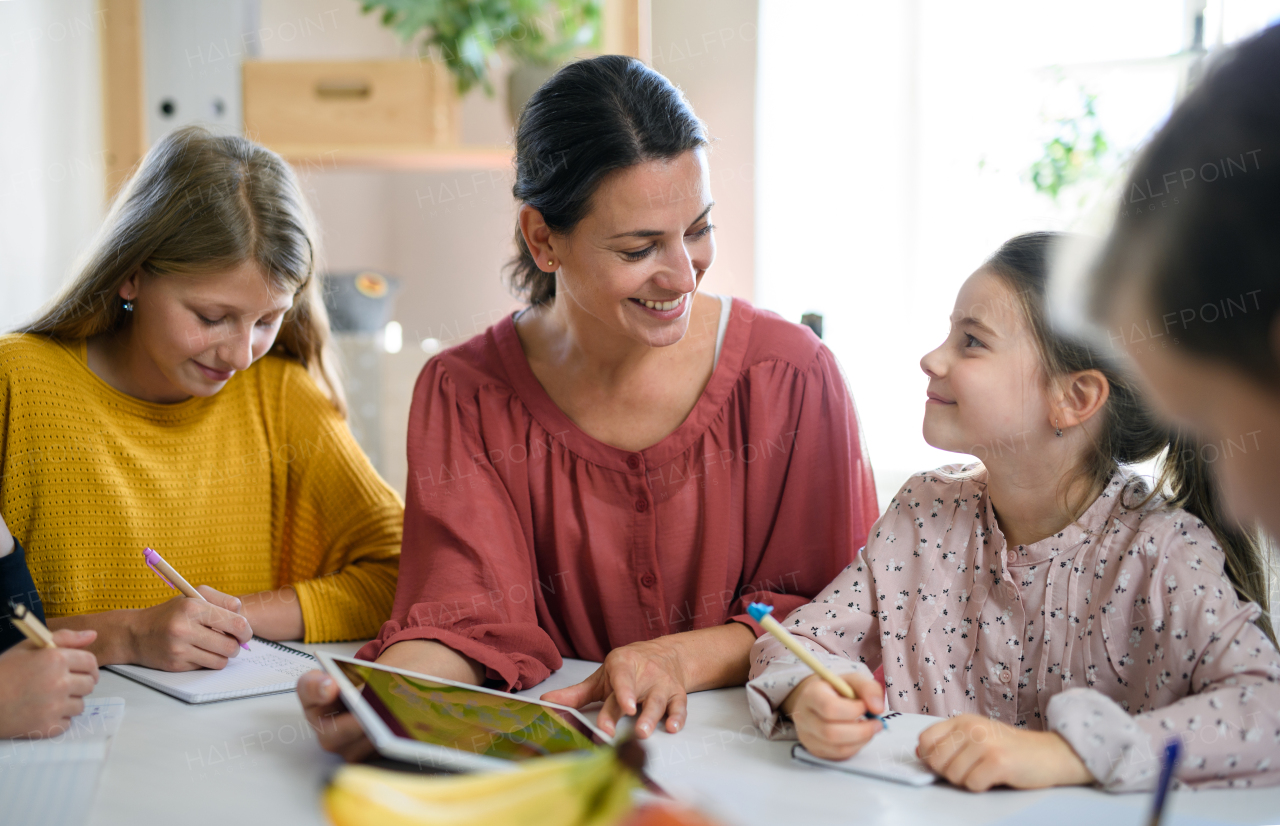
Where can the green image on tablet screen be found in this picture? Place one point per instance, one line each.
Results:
(466, 720)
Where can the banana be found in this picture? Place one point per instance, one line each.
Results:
(570, 790)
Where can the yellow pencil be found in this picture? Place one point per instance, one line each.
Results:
(761, 613)
(31, 626)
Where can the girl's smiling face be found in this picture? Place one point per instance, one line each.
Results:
(987, 394)
(191, 334)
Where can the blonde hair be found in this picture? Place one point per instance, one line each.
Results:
(202, 203)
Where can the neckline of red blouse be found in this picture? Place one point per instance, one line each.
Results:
(554, 420)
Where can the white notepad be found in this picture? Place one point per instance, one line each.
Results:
(52, 782)
(891, 754)
(266, 668)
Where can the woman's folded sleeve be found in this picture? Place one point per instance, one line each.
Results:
(1229, 723)
(839, 626)
(466, 575)
(827, 503)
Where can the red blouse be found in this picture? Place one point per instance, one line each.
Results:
(526, 540)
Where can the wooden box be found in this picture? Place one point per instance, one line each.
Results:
(304, 108)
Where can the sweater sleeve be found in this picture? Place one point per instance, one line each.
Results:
(16, 585)
(1202, 637)
(340, 538)
(468, 573)
(827, 503)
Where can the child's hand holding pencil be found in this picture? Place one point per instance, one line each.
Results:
(835, 715)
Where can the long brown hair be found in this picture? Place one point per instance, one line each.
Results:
(1131, 433)
(202, 203)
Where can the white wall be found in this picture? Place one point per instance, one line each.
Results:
(708, 49)
(51, 162)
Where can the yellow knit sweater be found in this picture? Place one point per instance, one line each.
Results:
(257, 487)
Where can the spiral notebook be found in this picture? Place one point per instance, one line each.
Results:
(266, 668)
(891, 754)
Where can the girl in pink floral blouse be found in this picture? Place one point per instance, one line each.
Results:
(1065, 619)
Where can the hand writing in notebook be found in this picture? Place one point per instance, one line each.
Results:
(180, 634)
(41, 689)
(830, 726)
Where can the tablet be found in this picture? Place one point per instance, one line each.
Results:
(442, 724)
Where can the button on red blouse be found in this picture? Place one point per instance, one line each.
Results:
(525, 538)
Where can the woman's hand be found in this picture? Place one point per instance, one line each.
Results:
(645, 677)
(41, 689)
(336, 728)
(830, 725)
(184, 634)
(654, 677)
(977, 753)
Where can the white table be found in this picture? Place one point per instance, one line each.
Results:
(257, 761)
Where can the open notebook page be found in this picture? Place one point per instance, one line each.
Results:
(266, 668)
(52, 781)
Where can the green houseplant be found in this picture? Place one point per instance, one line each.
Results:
(469, 35)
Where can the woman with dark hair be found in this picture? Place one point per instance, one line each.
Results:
(616, 471)
(1189, 280)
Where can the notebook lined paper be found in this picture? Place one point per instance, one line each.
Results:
(266, 668)
(53, 781)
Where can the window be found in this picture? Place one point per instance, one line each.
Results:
(895, 143)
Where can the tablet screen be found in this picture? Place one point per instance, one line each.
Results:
(473, 721)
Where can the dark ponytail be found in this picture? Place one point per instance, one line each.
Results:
(591, 118)
(1131, 434)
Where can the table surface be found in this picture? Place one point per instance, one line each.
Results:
(257, 761)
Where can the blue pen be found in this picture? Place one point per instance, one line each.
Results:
(1172, 751)
(761, 614)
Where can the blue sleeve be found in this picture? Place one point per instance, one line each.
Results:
(16, 584)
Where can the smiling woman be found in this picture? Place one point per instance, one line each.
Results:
(179, 395)
(615, 472)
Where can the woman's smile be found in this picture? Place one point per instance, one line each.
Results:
(664, 310)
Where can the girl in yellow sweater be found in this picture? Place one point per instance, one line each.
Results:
(180, 395)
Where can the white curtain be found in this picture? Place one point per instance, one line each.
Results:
(51, 157)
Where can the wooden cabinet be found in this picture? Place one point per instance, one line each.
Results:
(304, 108)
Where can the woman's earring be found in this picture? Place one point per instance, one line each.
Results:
(1057, 431)
(551, 262)
(128, 306)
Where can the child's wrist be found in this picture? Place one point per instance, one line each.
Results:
(1073, 771)
(790, 702)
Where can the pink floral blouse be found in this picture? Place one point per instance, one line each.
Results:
(1118, 633)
